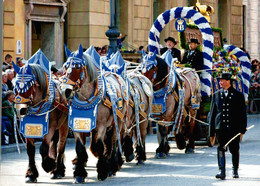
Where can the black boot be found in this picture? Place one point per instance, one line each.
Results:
(235, 161)
(221, 165)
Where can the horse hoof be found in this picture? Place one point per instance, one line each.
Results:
(30, 180)
(130, 158)
(189, 151)
(160, 155)
(102, 177)
(140, 162)
(110, 174)
(48, 164)
(157, 155)
(79, 179)
(56, 176)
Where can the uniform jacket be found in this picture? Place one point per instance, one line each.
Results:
(195, 59)
(228, 113)
(174, 51)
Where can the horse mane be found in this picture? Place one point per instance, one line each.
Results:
(91, 69)
(162, 70)
(39, 74)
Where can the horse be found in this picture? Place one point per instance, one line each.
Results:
(140, 94)
(177, 94)
(85, 85)
(31, 90)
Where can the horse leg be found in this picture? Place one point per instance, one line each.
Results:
(32, 172)
(48, 163)
(60, 170)
(191, 141)
(97, 148)
(164, 147)
(140, 148)
(111, 152)
(82, 157)
(74, 161)
(128, 149)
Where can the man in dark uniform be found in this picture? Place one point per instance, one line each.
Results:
(193, 56)
(170, 42)
(227, 118)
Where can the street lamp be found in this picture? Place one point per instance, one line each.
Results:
(113, 32)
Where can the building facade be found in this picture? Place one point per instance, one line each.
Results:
(252, 27)
(49, 24)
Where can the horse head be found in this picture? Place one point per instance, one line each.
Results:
(74, 69)
(155, 69)
(149, 65)
(25, 88)
(79, 68)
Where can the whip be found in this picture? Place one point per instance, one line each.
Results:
(225, 147)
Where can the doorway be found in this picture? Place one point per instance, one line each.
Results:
(43, 37)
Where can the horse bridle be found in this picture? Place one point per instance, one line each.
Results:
(67, 83)
(22, 104)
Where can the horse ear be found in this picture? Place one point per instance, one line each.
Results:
(29, 69)
(143, 53)
(16, 68)
(154, 55)
(67, 51)
(80, 50)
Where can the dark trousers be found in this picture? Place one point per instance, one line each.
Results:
(6, 125)
(223, 137)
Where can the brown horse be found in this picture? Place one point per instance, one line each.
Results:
(176, 98)
(83, 82)
(31, 87)
(140, 101)
(140, 93)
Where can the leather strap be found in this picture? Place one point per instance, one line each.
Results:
(142, 113)
(108, 103)
(61, 107)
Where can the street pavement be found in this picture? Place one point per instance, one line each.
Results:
(177, 169)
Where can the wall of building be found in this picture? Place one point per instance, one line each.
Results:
(258, 57)
(13, 27)
(88, 20)
(252, 28)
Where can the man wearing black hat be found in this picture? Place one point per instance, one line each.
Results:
(170, 42)
(227, 118)
(193, 56)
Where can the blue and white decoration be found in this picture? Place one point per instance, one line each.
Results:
(24, 79)
(180, 24)
(116, 64)
(150, 61)
(85, 112)
(160, 96)
(38, 117)
(207, 36)
(93, 53)
(245, 65)
(74, 59)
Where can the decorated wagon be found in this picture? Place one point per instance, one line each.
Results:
(183, 120)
